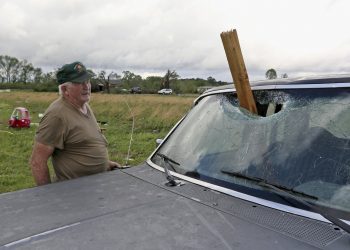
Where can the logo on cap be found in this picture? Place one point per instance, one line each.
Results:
(79, 68)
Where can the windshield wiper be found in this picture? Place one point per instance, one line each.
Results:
(168, 159)
(270, 185)
(171, 179)
(290, 192)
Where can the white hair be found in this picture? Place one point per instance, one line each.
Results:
(60, 89)
(60, 92)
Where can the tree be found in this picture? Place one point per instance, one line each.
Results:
(271, 74)
(154, 78)
(211, 80)
(9, 68)
(112, 77)
(169, 76)
(102, 79)
(284, 75)
(151, 84)
(130, 79)
(26, 71)
(49, 77)
(38, 75)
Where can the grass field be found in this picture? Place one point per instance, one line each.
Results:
(153, 115)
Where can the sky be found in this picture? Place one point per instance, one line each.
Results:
(148, 37)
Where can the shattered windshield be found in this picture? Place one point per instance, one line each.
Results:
(300, 140)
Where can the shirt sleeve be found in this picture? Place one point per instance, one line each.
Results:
(51, 131)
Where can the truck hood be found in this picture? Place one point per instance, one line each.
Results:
(134, 209)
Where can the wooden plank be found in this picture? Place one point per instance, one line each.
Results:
(238, 70)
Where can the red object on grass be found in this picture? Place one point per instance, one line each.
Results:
(20, 118)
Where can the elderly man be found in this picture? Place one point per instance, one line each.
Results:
(69, 133)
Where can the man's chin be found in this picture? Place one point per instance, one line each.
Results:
(86, 97)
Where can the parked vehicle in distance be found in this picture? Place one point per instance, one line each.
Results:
(223, 178)
(135, 90)
(165, 91)
(19, 118)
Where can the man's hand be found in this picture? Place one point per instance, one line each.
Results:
(114, 165)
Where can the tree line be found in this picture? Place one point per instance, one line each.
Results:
(14, 70)
(16, 73)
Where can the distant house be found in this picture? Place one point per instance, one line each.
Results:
(115, 82)
(101, 87)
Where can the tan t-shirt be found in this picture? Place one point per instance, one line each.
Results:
(80, 147)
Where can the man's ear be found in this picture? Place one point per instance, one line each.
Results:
(64, 88)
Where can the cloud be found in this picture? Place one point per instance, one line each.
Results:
(294, 37)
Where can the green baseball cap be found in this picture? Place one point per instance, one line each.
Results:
(73, 72)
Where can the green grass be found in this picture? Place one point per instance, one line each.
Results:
(154, 116)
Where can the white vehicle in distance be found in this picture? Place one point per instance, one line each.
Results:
(165, 91)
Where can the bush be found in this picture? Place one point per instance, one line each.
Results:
(16, 85)
(37, 87)
(44, 87)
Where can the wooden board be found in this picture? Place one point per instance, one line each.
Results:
(238, 70)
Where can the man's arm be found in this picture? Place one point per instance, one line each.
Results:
(40, 155)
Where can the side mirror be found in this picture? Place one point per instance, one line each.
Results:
(159, 141)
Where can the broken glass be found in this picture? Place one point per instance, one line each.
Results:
(300, 140)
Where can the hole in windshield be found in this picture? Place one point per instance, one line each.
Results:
(268, 102)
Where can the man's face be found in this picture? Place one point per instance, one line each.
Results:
(79, 93)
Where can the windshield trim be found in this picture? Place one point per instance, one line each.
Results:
(246, 197)
(269, 87)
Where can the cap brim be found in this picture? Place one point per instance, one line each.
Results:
(81, 79)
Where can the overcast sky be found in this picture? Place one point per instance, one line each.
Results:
(147, 37)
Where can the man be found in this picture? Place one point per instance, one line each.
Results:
(68, 132)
